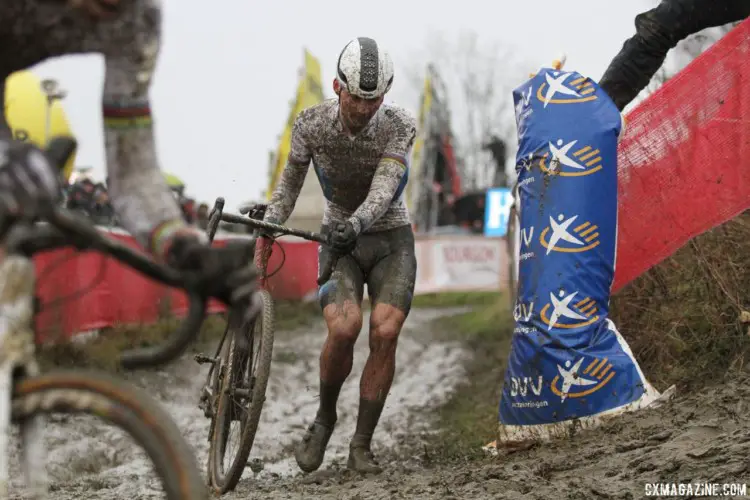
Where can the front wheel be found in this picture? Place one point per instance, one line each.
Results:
(128, 408)
(245, 366)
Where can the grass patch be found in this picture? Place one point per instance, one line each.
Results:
(103, 351)
(684, 318)
(469, 420)
(455, 299)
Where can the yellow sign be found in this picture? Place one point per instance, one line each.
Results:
(26, 113)
(309, 93)
(416, 155)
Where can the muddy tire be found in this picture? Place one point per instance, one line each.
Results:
(242, 367)
(130, 409)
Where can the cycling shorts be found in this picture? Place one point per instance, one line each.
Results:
(384, 260)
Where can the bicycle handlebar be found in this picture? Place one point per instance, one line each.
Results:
(218, 215)
(68, 229)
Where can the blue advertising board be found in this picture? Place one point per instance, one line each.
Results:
(497, 212)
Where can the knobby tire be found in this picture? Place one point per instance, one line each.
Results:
(234, 364)
(129, 408)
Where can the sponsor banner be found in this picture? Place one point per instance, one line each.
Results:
(467, 264)
(461, 264)
(568, 132)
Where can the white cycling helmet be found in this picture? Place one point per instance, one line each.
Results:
(364, 69)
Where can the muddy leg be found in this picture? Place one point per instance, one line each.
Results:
(385, 325)
(340, 299)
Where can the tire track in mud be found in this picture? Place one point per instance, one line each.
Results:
(696, 437)
(89, 459)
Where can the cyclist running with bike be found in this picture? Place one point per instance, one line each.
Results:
(359, 148)
(128, 35)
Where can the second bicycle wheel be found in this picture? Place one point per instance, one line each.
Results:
(129, 408)
(244, 372)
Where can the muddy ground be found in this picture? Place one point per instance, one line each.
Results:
(695, 437)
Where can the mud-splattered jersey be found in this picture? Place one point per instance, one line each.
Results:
(32, 31)
(362, 177)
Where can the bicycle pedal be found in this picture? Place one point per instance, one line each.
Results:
(202, 359)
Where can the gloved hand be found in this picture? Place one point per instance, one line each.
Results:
(100, 9)
(227, 273)
(29, 185)
(343, 237)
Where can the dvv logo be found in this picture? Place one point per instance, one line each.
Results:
(563, 311)
(565, 235)
(560, 89)
(567, 159)
(572, 383)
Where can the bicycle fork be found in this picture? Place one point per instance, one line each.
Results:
(17, 351)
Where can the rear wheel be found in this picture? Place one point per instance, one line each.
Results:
(128, 408)
(245, 366)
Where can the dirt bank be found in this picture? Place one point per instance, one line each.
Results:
(702, 437)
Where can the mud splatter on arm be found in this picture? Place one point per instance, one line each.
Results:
(292, 178)
(389, 173)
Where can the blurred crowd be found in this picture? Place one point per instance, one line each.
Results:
(91, 198)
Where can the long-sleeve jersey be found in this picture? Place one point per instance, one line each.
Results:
(32, 31)
(362, 177)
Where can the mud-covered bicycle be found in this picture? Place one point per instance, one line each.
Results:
(29, 395)
(238, 376)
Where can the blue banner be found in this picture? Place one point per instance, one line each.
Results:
(567, 360)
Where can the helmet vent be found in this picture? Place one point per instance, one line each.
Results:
(368, 75)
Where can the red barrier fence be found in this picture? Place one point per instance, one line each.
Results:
(82, 291)
(684, 160)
